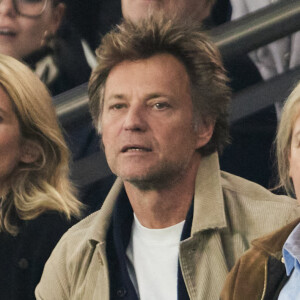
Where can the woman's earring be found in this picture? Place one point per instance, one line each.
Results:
(43, 41)
(47, 39)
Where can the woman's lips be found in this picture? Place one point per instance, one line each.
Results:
(8, 32)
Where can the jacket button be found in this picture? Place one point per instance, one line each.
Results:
(121, 292)
(23, 263)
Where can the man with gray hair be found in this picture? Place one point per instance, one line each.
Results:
(197, 10)
(173, 224)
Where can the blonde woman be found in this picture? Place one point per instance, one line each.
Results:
(37, 200)
(271, 268)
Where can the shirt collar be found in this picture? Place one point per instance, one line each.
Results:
(291, 250)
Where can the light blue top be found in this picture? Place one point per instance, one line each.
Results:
(291, 255)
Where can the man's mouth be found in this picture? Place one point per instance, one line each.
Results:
(135, 149)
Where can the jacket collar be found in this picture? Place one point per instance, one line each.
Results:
(272, 243)
(101, 219)
(208, 198)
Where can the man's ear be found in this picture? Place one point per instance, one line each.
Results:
(205, 130)
(57, 16)
(30, 152)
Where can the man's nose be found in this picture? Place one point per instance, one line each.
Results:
(135, 118)
(7, 8)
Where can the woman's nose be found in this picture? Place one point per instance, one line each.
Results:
(7, 8)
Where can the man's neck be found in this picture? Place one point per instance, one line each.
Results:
(166, 206)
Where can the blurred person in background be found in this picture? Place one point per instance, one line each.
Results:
(93, 18)
(136, 10)
(37, 199)
(271, 268)
(256, 132)
(274, 58)
(241, 71)
(34, 32)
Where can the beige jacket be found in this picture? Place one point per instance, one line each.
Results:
(229, 212)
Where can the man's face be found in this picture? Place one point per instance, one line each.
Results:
(192, 9)
(148, 128)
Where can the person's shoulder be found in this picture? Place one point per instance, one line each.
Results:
(49, 223)
(38, 237)
(68, 260)
(264, 247)
(246, 278)
(273, 242)
(93, 228)
(251, 190)
(51, 216)
(75, 243)
(82, 230)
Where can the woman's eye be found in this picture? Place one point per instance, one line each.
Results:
(31, 1)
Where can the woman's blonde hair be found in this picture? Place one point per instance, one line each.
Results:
(283, 139)
(44, 184)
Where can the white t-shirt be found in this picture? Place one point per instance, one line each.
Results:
(153, 260)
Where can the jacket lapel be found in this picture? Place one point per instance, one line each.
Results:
(276, 278)
(98, 275)
(202, 258)
(203, 265)
(272, 244)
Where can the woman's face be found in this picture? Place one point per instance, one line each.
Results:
(295, 157)
(20, 35)
(10, 138)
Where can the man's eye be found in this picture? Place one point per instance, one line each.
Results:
(117, 106)
(161, 105)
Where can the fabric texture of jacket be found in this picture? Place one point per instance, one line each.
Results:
(23, 256)
(260, 273)
(229, 212)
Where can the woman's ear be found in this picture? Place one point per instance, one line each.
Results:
(57, 16)
(30, 152)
